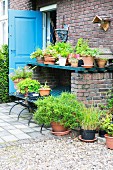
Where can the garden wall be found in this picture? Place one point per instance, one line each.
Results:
(92, 88)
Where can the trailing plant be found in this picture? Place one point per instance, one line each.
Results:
(50, 51)
(28, 85)
(4, 71)
(64, 109)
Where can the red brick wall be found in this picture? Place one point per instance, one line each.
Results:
(79, 15)
(21, 4)
(91, 88)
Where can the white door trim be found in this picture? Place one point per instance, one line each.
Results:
(49, 8)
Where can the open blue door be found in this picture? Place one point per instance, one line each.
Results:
(25, 35)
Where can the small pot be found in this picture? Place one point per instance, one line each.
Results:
(109, 141)
(44, 92)
(102, 133)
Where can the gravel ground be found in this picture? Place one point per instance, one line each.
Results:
(56, 154)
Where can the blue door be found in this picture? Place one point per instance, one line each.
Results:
(25, 35)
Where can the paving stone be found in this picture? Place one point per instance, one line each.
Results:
(34, 134)
(1, 140)
(4, 133)
(20, 126)
(26, 130)
(15, 132)
(23, 136)
(2, 124)
(9, 138)
(1, 129)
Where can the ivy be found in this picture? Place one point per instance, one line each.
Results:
(4, 72)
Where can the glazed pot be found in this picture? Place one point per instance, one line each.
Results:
(88, 134)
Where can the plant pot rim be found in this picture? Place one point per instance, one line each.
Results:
(107, 136)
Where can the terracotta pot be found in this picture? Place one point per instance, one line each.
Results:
(40, 60)
(16, 82)
(101, 63)
(74, 64)
(56, 127)
(44, 92)
(109, 141)
(88, 60)
(49, 59)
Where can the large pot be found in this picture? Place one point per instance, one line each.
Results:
(109, 141)
(88, 60)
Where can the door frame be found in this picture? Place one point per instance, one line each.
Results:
(46, 23)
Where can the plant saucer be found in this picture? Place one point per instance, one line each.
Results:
(61, 133)
(80, 138)
(87, 66)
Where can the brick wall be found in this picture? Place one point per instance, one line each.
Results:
(91, 88)
(54, 77)
(79, 15)
(21, 4)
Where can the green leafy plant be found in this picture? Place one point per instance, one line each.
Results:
(37, 53)
(107, 124)
(82, 48)
(64, 109)
(45, 86)
(90, 118)
(63, 49)
(21, 73)
(50, 51)
(28, 84)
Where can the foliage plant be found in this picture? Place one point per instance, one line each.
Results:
(45, 86)
(28, 84)
(82, 48)
(4, 71)
(21, 73)
(108, 124)
(90, 118)
(64, 109)
(50, 51)
(37, 53)
(63, 49)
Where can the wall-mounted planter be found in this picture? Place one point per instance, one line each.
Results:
(62, 34)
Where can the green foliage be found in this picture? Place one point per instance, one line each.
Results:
(107, 124)
(25, 72)
(90, 118)
(64, 109)
(37, 53)
(63, 49)
(45, 86)
(82, 48)
(50, 51)
(29, 84)
(4, 63)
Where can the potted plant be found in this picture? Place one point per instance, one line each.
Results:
(21, 73)
(108, 127)
(44, 90)
(50, 55)
(73, 59)
(87, 53)
(64, 110)
(63, 49)
(28, 85)
(38, 54)
(89, 123)
(101, 62)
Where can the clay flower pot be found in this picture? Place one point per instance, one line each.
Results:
(101, 63)
(59, 130)
(44, 91)
(88, 60)
(109, 141)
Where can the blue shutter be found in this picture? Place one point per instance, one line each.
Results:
(25, 35)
